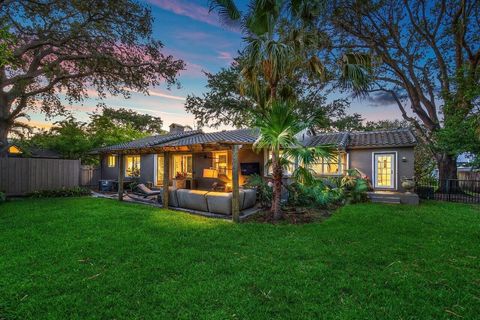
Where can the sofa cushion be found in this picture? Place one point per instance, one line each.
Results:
(172, 197)
(249, 199)
(192, 199)
(219, 202)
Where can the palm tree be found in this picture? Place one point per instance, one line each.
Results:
(272, 55)
(279, 128)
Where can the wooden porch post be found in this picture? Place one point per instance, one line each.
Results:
(166, 178)
(121, 175)
(235, 185)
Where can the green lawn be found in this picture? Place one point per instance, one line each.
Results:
(100, 259)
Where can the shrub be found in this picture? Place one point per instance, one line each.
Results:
(318, 194)
(3, 197)
(63, 192)
(355, 186)
(264, 191)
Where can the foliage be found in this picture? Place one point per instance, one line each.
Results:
(63, 192)
(68, 48)
(324, 192)
(6, 54)
(3, 197)
(74, 139)
(317, 194)
(354, 186)
(264, 191)
(226, 104)
(278, 128)
(68, 137)
(126, 118)
(429, 66)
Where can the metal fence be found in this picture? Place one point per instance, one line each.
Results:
(454, 190)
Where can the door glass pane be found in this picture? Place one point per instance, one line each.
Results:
(384, 171)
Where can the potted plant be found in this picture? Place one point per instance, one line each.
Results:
(179, 181)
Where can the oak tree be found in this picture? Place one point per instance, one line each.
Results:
(64, 50)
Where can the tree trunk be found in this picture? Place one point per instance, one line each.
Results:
(277, 187)
(4, 127)
(447, 172)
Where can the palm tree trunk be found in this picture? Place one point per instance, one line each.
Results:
(277, 187)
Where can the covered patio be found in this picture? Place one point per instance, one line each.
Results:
(202, 171)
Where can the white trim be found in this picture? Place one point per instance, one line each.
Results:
(395, 175)
(347, 166)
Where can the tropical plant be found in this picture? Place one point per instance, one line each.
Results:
(282, 44)
(264, 190)
(355, 186)
(278, 130)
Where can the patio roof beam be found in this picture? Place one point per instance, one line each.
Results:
(166, 178)
(121, 174)
(235, 184)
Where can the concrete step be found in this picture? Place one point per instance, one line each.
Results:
(381, 199)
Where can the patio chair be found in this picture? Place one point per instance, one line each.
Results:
(147, 192)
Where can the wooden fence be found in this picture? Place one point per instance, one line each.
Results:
(469, 175)
(20, 176)
(89, 176)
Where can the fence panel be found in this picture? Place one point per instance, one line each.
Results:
(89, 176)
(20, 176)
(454, 190)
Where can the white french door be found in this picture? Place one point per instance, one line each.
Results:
(384, 164)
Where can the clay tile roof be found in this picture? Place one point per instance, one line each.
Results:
(338, 139)
(384, 138)
(149, 141)
(227, 136)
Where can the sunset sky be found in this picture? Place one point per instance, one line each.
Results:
(190, 33)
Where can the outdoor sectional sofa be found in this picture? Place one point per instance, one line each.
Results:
(209, 201)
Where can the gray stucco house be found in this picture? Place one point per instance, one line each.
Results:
(202, 159)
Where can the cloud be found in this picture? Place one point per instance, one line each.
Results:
(193, 70)
(223, 55)
(190, 10)
(164, 95)
(381, 99)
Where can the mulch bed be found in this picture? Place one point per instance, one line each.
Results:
(293, 216)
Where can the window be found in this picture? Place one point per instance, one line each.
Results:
(288, 171)
(220, 162)
(132, 166)
(14, 150)
(182, 164)
(111, 161)
(160, 167)
(330, 166)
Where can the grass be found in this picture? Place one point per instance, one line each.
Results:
(90, 258)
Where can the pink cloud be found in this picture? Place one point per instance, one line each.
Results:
(193, 70)
(223, 55)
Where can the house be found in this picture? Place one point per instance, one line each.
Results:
(16, 151)
(202, 159)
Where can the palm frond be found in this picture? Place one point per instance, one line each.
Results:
(227, 10)
(357, 72)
